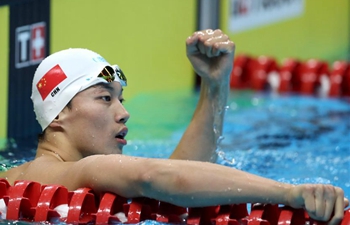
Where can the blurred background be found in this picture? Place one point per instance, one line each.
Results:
(146, 38)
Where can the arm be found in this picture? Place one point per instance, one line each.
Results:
(211, 54)
(181, 182)
(196, 184)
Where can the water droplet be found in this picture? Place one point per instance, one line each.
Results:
(255, 101)
(220, 138)
(233, 106)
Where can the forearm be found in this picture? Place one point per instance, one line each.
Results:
(183, 183)
(179, 183)
(200, 139)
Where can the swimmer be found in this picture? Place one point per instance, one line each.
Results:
(78, 101)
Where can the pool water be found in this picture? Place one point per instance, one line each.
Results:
(294, 139)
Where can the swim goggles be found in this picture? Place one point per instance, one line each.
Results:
(109, 74)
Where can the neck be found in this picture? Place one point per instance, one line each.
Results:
(56, 144)
(47, 150)
(56, 154)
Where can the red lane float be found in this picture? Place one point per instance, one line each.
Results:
(345, 84)
(288, 73)
(241, 72)
(32, 202)
(337, 87)
(263, 72)
(312, 77)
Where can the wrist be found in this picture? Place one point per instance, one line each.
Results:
(215, 86)
(288, 196)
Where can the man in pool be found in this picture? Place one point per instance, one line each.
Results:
(78, 98)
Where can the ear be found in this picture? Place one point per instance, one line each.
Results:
(57, 123)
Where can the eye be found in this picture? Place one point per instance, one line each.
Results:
(122, 100)
(106, 98)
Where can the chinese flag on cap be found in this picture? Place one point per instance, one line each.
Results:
(50, 80)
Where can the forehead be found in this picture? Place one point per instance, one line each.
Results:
(114, 88)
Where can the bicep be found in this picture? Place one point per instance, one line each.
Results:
(115, 173)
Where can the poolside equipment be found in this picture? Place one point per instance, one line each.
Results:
(32, 202)
(310, 77)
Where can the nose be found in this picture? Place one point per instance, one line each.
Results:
(122, 114)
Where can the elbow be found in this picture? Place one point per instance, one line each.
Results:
(165, 183)
(146, 181)
(150, 178)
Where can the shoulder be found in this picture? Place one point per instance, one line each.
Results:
(14, 174)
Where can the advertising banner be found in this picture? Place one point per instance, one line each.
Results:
(29, 45)
(249, 14)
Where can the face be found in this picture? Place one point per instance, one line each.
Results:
(95, 122)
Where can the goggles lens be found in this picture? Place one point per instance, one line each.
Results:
(108, 73)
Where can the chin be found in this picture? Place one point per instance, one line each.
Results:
(118, 151)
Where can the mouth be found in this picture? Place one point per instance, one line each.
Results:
(121, 136)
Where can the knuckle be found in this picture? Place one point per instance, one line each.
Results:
(225, 36)
(339, 191)
(309, 191)
(310, 188)
(337, 219)
(329, 190)
(207, 43)
(311, 212)
(320, 189)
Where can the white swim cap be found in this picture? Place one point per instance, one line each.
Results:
(60, 76)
